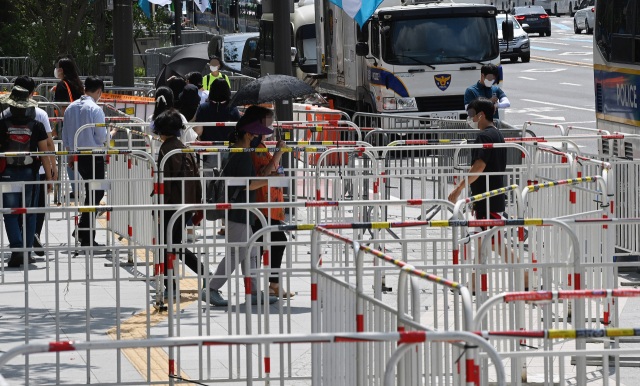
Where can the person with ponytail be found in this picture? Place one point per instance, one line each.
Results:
(68, 89)
(165, 102)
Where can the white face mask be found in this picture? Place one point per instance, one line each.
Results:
(55, 72)
(488, 83)
(214, 68)
(470, 122)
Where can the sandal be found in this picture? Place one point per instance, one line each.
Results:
(275, 291)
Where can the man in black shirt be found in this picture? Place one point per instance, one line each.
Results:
(21, 133)
(486, 160)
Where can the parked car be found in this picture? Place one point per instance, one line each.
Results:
(584, 19)
(519, 47)
(535, 18)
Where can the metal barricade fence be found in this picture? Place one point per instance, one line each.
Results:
(404, 340)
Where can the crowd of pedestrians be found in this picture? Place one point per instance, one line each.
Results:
(201, 101)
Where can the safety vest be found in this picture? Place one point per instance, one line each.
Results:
(208, 80)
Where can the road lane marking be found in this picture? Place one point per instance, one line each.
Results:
(561, 26)
(524, 77)
(556, 43)
(560, 61)
(559, 105)
(571, 84)
(543, 48)
(547, 70)
(576, 53)
(578, 40)
(540, 116)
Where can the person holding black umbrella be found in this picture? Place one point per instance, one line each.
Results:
(239, 221)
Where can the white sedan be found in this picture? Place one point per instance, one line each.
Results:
(585, 16)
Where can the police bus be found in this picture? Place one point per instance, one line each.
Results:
(617, 70)
(232, 16)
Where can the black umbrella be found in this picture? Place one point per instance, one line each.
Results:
(184, 61)
(271, 88)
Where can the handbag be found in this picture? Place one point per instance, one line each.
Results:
(215, 194)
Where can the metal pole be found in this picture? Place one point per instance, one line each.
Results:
(177, 22)
(123, 43)
(282, 51)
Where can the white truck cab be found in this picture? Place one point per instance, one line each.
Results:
(414, 59)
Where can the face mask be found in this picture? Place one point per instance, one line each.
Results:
(488, 83)
(55, 72)
(214, 68)
(470, 122)
(256, 141)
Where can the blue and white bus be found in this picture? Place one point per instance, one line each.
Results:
(616, 58)
(232, 16)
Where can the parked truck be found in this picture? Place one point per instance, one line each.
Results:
(413, 57)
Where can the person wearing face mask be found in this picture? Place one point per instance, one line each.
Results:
(240, 221)
(486, 88)
(82, 112)
(485, 160)
(266, 165)
(214, 66)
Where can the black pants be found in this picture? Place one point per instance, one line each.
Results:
(277, 251)
(42, 199)
(190, 259)
(86, 165)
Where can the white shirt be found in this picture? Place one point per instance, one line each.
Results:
(42, 117)
(204, 94)
(188, 135)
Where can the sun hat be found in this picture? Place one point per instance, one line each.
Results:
(19, 98)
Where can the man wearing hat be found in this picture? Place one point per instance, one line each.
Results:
(21, 133)
(214, 66)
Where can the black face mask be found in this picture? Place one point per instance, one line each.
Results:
(256, 141)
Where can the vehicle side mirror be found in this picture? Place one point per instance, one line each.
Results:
(362, 49)
(385, 30)
(507, 30)
(294, 54)
(216, 47)
(254, 63)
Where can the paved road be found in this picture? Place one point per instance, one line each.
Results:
(557, 85)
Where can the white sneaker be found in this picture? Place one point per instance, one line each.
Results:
(195, 236)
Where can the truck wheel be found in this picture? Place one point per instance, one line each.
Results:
(526, 58)
(513, 59)
(549, 33)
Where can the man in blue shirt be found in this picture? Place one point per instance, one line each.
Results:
(485, 88)
(82, 112)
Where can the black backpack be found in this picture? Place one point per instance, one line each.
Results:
(17, 138)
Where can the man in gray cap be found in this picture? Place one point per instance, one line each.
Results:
(21, 133)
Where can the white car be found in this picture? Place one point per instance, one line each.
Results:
(519, 47)
(585, 17)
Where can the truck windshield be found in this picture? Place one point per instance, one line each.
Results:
(440, 41)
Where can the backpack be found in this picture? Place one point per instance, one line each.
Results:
(215, 194)
(18, 139)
